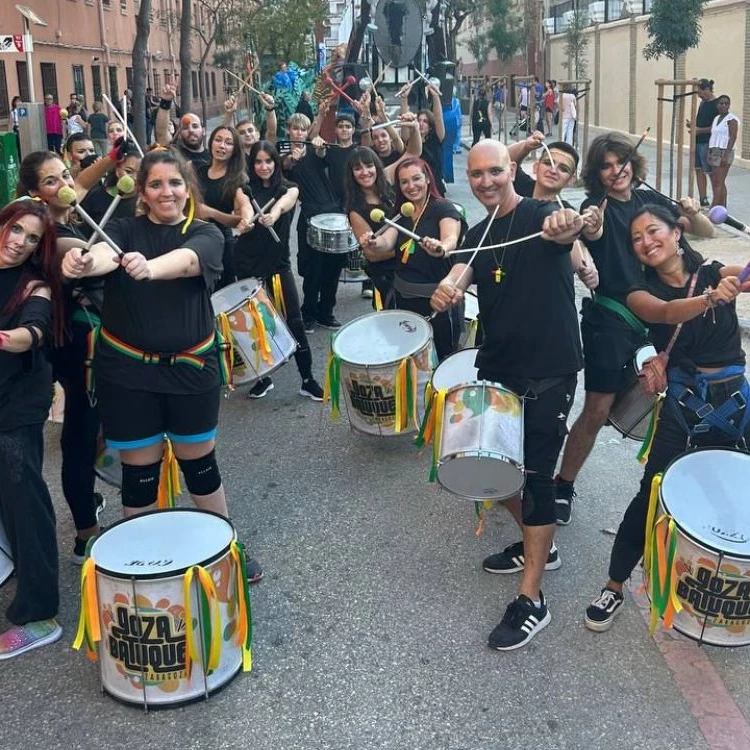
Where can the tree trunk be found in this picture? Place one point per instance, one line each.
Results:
(140, 48)
(186, 62)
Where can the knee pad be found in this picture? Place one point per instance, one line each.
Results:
(538, 502)
(140, 485)
(201, 474)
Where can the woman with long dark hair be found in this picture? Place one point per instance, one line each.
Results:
(706, 358)
(221, 183)
(258, 255)
(31, 318)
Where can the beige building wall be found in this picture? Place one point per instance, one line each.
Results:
(624, 93)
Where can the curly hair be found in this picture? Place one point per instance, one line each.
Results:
(622, 148)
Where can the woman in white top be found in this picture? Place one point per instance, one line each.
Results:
(569, 115)
(724, 131)
(76, 123)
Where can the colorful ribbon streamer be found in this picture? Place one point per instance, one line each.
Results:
(406, 394)
(244, 609)
(664, 601)
(169, 478)
(332, 383)
(89, 628)
(648, 441)
(653, 503)
(438, 408)
(278, 294)
(260, 335)
(378, 300)
(226, 348)
(207, 651)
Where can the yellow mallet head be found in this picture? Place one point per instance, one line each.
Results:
(377, 215)
(126, 184)
(407, 209)
(66, 195)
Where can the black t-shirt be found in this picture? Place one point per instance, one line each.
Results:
(99, 199)
(432, 153)
(25, 379)
(701, 341)
(256, 253)
(392, 158)
(529, 319)
(164, 317)
(364, 209)
(315, 192)
(92, 289)
(524, 185)
(420, 267)
(619, 270)
(213, 196)
(196, 158)
(704, 118)
(336, 159)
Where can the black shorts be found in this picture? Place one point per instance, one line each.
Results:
(135, 419)
(609, 345)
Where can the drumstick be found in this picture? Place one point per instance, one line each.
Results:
(349, 80)
(243, 82)
(261, 212)
(380, 126)
(474, 255)
(378, 215)
(499, 245)
(381, 75)
(407, 209)
(125, 186)
(68, 195)
(625, 162)
(427, 80)
(124, 123)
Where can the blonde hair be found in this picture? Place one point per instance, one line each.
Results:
(298, 120)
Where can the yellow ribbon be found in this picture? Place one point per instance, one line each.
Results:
(207, 584)
(169, 478)
(378, 301)
(653, 502)
(260, 335)
(226, 331)
(89, 628)
(278, 294)
(400, 388)
(209, 623)
(244, 616)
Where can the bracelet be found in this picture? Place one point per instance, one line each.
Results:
(270, 109)
(165, 104)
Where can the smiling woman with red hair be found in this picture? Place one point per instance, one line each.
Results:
(30, 316)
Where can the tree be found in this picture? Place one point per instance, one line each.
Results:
(674, 27)
(186, 58)
(140, 47)
(576, 44)
(505, 30)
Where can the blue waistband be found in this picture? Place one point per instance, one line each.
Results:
(701, 380)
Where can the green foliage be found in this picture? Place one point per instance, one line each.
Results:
(507, 32)
(576, 45)
(674, 27)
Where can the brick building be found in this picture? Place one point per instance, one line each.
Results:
(87, 47)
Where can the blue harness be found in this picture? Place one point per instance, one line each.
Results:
(690, 391)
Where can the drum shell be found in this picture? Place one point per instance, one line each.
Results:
(156, 606)
(715, 596)
(631, 411)
(326, 238)
(235, 300)
(481, 443)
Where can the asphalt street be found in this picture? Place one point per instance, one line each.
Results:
(372, 620)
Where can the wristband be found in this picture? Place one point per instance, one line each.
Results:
(270, 109)
(165, 104)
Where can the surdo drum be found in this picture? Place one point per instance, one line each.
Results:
(477, 428)
(331, 233)
(631, 411)
(170, 598)
(698, 546)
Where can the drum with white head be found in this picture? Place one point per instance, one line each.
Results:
(331, 233)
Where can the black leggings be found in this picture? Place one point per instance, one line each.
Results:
(320, 276)
(303, 356)
(80, 428)
(29, 520)
(446, 327)
(670, 441)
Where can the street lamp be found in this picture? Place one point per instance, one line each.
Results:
(29, 17)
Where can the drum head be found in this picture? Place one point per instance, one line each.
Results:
(705, 492)
(457, 369)
(644, 353)
(330, 222)
(162, 543)
(381, 338)
(232, 296)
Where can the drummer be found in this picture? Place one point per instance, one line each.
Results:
(258, 255)
(160, 379)
(706, 366)
(31, 316)
(421, 266)
(534, 349)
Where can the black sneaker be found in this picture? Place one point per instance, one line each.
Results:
(564, 494)
(705, 203)
(101, 503)
(254, 570)
(602, 611)
(81, 547)
(311, 388)
(330, 322)
(521, 622)
(511, 560)
(260, 388)
(309, 325)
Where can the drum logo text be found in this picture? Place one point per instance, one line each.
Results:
(150, 644)
(371, 401)
(723, 598)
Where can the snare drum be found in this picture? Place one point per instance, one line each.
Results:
(6, 556)
(704, 492)
(354, 270)
(331, 233)
(631, 411)
(480, 453)
(261, 336)
(170, 633)
(376, 355)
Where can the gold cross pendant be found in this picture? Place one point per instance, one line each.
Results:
(498, 275)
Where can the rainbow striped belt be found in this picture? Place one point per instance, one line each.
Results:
(189, 356)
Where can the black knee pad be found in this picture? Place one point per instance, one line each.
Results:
(538, 502)
(140, 485)
(201, 474)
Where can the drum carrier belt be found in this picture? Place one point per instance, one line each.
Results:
(622, 312)
(682, 393)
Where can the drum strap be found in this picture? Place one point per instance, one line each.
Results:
(189, 356)
(410, 290)
(621, 311)
(681, 395)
